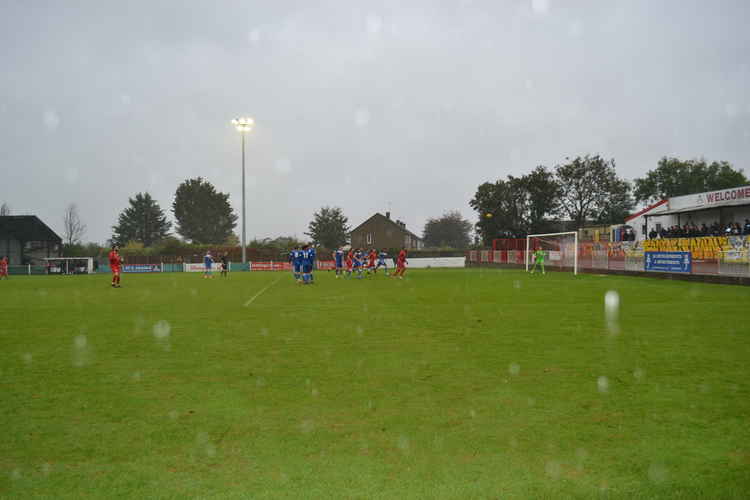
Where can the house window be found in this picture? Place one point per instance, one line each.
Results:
(369, 238)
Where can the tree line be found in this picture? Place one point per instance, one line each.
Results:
(202, 215)
(583, 190)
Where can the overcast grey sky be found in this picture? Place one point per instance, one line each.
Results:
(357, 103)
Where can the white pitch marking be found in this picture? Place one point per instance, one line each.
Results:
(251, 299)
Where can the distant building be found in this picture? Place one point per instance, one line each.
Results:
(594, 233)
(380, 231)
(25, 239)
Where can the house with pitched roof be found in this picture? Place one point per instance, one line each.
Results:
(380, 231)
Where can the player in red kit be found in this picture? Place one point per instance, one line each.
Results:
(349, 261)
(401, 264)
(371, 260)
(4, 268)
(115, 261)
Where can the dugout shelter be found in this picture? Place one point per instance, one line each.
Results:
(25, 239)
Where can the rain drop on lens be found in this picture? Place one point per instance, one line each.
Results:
(553, 469)
(162, 329)
(602, 383)
(612, 311)
(657, 473)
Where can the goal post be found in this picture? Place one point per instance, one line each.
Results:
(561, 248)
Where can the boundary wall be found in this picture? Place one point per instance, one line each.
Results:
(726, 258)
(320, 265)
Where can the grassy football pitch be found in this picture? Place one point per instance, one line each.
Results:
(448, 384)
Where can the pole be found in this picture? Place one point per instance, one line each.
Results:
(243, 198)
(526, 256)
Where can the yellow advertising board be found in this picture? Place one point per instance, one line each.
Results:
(704, 248)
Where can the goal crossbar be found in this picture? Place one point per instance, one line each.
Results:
(575, 253)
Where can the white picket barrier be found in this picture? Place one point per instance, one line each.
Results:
(425, 262)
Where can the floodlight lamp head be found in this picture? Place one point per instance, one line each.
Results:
(243, 124)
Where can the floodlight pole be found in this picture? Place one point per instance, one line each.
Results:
(242, 133)
(244, 124)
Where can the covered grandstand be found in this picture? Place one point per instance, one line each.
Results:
(713, 209)
(26, 240)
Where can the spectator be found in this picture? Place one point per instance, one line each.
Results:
(691, 230)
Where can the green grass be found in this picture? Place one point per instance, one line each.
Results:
(448, 384)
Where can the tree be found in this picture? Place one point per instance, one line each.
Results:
(500, 206)
(618, 205)
(284, 242)
(450, 230)
(517, 206)
(591, 191)
(203, 214)
(4, 209)
(143, 222)
(81, 250)
(232, 240)
(543, 193)
(73, 228)
(674, 177)
(328, 228)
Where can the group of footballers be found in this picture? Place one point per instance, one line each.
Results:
(303, 261)
(355, 262)
(208, 262)
(360, 263)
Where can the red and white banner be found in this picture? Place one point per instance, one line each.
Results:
(270, 266)
(200, 268)
(287, 266)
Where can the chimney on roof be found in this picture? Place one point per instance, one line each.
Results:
(388, 215)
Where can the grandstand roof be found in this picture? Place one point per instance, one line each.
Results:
(646, 210)
(700, 208)
(27, 228)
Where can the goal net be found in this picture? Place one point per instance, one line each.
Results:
(69, 265)
(560, 250)
(734, 262)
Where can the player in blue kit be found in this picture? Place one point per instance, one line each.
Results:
(382, 256)
(338, 257)
(295, 256)
(357, 261)
(207, 263)
(308, 260)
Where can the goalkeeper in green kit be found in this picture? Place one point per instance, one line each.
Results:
(538, 259)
